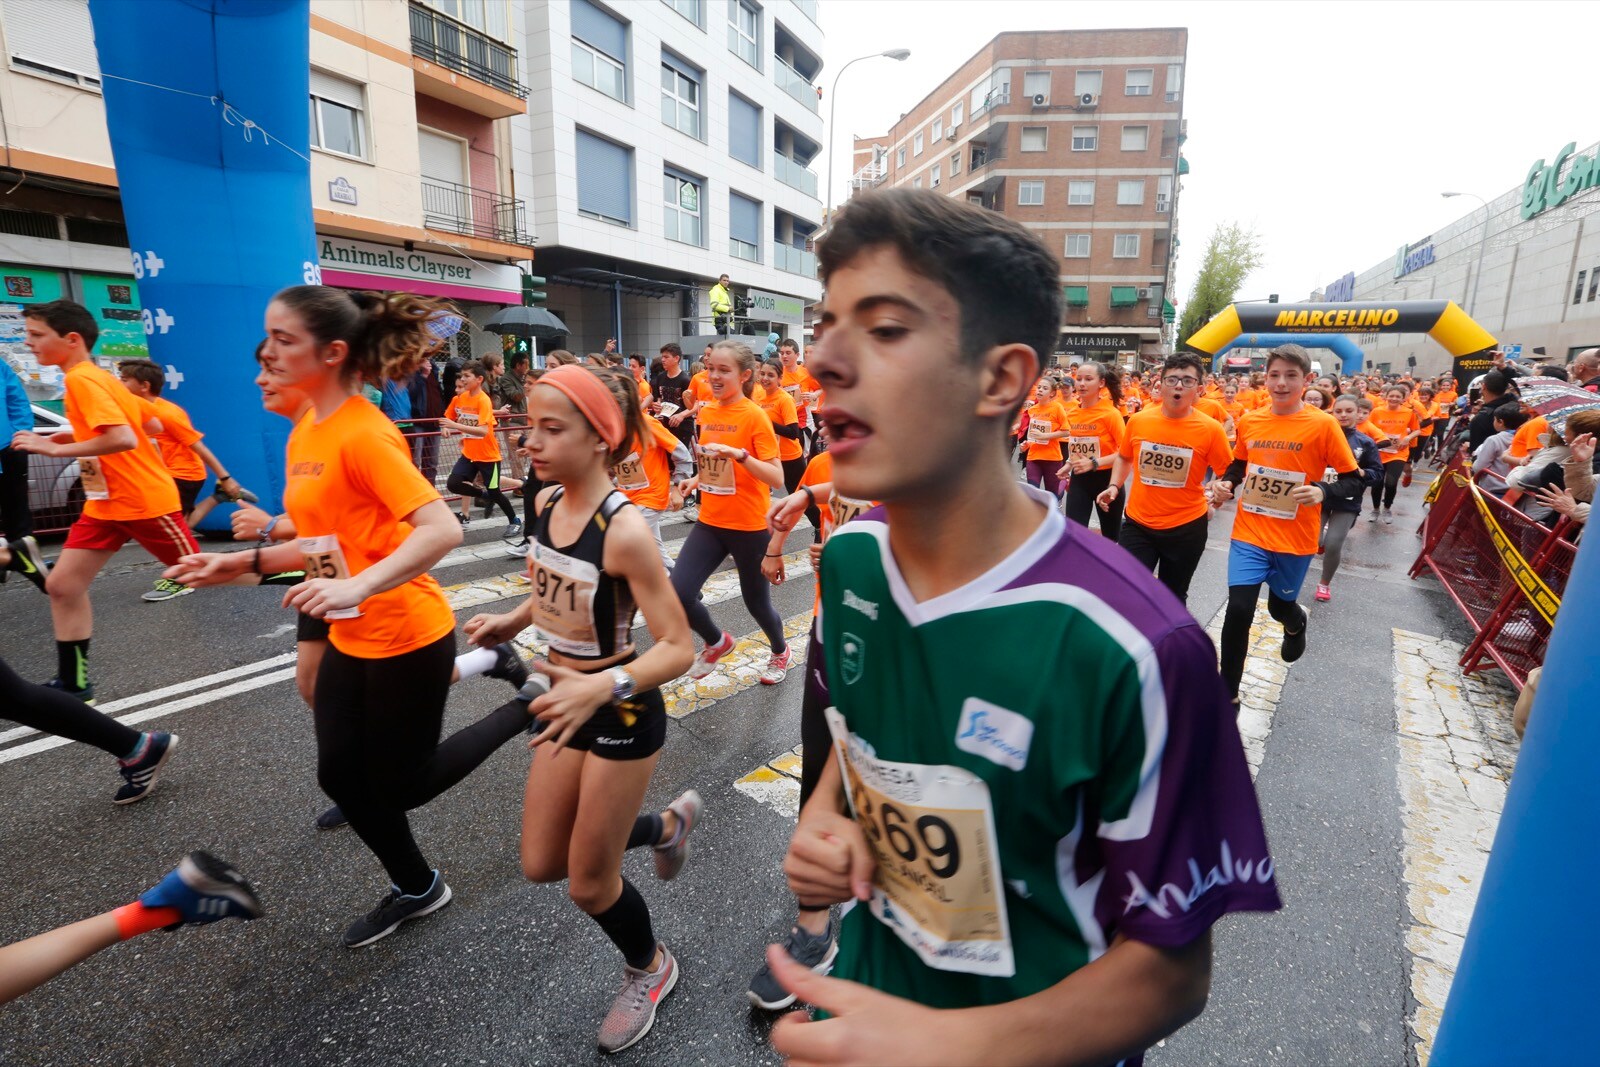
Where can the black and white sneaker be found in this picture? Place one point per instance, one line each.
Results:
(807, 949)
(396, 908)
(1294, 644)
(518, 550)
(508, 665)
(140, 770)
(28, 561)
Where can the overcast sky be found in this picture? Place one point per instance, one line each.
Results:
(1329, 128)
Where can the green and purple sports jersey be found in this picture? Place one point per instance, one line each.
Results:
(1061, 718)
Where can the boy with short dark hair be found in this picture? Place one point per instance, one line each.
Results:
(471, 414)
(1034, 751)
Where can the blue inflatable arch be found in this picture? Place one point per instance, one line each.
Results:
(1351, 358)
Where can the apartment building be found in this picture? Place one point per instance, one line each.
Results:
(1077, 134)
(668, 142)
(411, 176)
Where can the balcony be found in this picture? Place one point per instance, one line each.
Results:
(794, 83)
(795, 174)
(794, 260)
(475, 212)
(444, 50)
(809, 9)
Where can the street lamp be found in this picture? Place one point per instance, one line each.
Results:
(1477, 272)
(897, 54)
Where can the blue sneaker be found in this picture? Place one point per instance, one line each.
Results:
(204, 889)
(140, 769)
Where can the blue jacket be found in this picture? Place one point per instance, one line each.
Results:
(1367, 459)
(16, 413)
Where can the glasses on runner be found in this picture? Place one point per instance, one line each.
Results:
(1180, 383)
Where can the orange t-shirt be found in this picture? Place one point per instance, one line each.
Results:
(1048, 417)
(1526, 440)
(137, 482)
(1177, 450)
(644, 388)
(837, 507)
(1426, 413)
(478, 410)
(1305, 443)
(1214, 409)
(780, 410)
(1446, 400)
(1102, 421)
(799, 381)
(176, 440)
(650, 485)
(350, 476)
(739, 423)
(1395, 423)
(1371, 430)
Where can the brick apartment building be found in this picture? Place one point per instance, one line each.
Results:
(1076, 134)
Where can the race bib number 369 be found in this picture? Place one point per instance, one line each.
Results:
(938, 882)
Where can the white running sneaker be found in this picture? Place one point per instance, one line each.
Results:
(706, 661)
(777, 666)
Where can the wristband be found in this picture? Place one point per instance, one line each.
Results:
(255, 561)
(774, 555)
(810, 495)
(224, 478)
(266, 531)
(744, 454)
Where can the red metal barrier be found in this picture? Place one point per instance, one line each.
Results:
(1510, 628)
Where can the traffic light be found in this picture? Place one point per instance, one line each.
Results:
(531, 293)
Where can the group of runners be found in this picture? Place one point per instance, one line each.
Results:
(966, 839)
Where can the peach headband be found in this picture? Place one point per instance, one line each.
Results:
(592, 399)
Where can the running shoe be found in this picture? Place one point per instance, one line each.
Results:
(1294, 644)
(508, 665)
(805, 948)
(1373, 515)
(86, 694)
(777, 666)
(671, 856)
(166, 589)
(28, 561)
(463, 519)
(1324, 594)
(513, 533)
(332, 819)
(706, 661)
(634, 1011)
(518, 550)
(396, 908)
(204, 889)
(1405, 480)
(140, 770)
(1388, 516)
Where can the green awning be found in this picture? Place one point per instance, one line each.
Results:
(1168, 312)
(1077, 296)
(1124, 296)
(1183, 165)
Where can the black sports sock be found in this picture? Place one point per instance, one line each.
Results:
(627, 924)
(72, 663)
(647, 830)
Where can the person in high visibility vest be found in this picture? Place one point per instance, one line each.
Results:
(722, 306)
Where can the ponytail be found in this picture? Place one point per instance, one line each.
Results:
(388, 335)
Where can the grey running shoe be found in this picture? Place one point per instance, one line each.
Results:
(396, 908)
(166, 589)
(671, 856)
(634, 1011)
(810, 950)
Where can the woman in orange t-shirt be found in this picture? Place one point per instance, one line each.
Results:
(1397, 418)
(369, 529)
(739, 468)
(784, 414)
(653, 466)
(1094, 436)
(1044, 425)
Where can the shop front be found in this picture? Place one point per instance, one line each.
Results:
(112, 299)
(1120, 347)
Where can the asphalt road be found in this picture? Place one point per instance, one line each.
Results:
(512, 972)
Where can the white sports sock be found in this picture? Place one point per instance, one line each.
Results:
(476, 662)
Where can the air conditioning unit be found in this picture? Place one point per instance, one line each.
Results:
(1144, 294)
(1041, 100)
(1087, 100)
(950, 134)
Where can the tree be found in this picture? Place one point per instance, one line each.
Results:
(1232, 255)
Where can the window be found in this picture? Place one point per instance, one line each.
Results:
(680, 95)
(1594, 278)
(599, 50)
(336, 124)
(1036, 83)
(1124, 296)
(938, 129)
(689, 9)
(933, 182)
(1125, 246)
(744, 227)
(1138, 82)
(1077, 295)
(900, 157)
(605, 179)
(1174, 81)
(1077, 246)
(1085, 138)
(916, 183)
(1135, 138)
(54, 39)
(916, 144)
(744, 130)
(993, 93)
(681, 219)
(1164, 193)
(1080, 192)
(1130, 192)
(955, 163)
(1087, 81)
(1033, 138)
(488, 17)
(1030, 194)
(1577, 292)
(955, 114)
(744, 31)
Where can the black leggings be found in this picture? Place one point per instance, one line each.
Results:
(1236, 627)
(816, 742)
(460, 482)
(1383, 493)
(378, 748)
(1081, 492)
(793, 471)
(702, 553)
(16, 521)
(54, 712)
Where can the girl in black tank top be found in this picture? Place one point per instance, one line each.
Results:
(593, 561)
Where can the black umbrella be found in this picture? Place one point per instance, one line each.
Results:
(529, 322)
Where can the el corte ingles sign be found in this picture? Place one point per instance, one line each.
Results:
(1545, 187)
